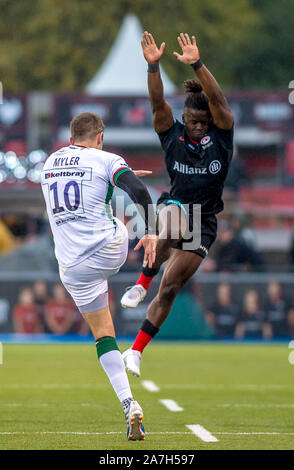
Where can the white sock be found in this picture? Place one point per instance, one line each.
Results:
(113, 364)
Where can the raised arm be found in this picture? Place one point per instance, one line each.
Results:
(219, 108)
(162, 113)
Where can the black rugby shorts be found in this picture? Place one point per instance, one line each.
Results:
(208, 227)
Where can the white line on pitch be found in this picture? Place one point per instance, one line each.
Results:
(205, 387)
(98, 405)
(158, 432)
(254, 405)
(171, 405)
(84, 433)
(150, 386)
(257, 433)
(246, 387)
(201, 432)
(36, 405)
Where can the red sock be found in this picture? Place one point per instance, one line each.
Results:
(141, 341)
(145, 281)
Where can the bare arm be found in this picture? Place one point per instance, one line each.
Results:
(162, 113)
(219, 108)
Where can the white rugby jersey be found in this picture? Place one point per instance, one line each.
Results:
(77, 185)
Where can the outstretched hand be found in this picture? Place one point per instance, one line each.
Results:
(149, 242)
(150, 50)
(189, 48)
(141, 173)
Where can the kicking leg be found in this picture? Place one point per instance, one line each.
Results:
(101, 326)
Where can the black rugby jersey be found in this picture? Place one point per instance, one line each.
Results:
(197, 171)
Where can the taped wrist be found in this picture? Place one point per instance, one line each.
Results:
(197, 65)
(153, 68)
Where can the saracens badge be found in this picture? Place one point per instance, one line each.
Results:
(205, 140)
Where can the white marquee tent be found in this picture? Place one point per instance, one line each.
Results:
(124, 71)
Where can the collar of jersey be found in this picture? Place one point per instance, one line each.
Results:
(79, 146)
(193, 147)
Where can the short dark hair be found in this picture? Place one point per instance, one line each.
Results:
(196, 98)
(86, 126)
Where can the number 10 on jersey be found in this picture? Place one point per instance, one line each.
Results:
(71, 196)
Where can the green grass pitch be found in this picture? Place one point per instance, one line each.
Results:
(58, 397)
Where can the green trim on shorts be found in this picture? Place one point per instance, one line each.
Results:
(105, 345)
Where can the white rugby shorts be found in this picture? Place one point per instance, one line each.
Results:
(86, 282)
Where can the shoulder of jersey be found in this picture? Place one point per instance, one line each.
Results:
(101, 154)
(178, 125)
(88, 152)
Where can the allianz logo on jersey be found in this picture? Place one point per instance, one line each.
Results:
(56, 174)
(213, 168)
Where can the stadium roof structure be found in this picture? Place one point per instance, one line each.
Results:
(124, 71)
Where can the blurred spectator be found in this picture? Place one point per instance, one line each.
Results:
(4, 311)
(224, 313)
(24, 227)
(7, 240)
(231, 253)
(26, 318)
(251, 323)
(32, 256)
(243, 228)
(40, 296)
(237, 176)
(35, 226)
(276, 310)
(60, 312)
(291, 253)
(290, 323)
(16, 224)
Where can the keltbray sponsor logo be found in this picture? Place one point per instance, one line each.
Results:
(57, 174)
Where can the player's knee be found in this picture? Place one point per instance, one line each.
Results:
(169, 292)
